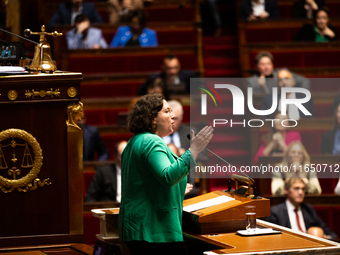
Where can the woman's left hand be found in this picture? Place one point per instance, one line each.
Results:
(188, 188)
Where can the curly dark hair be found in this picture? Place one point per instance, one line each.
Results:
(143, 112)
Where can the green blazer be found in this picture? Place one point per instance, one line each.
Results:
(153, 185)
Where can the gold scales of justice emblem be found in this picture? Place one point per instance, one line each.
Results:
(14, 142)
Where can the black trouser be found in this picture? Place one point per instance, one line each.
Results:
(142, 247)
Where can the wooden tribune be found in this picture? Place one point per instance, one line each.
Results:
(222, 218)
(40, 161)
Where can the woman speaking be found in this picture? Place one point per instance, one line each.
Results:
(154, 180)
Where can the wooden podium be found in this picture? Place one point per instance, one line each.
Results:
(221, 218)
(40, 160)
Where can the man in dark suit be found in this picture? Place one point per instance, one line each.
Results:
(259, 10)
(106, 183)
(176, 80)
(67, 12)
(285, 80)
(295, 214)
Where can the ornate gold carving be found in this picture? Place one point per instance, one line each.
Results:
(12, 94)
(42, 93)
(74, 113)
(72, 92)
(22, 184)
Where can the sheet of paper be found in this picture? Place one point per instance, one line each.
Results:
(208, 203)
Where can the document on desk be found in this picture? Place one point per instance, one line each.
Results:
(207, 203)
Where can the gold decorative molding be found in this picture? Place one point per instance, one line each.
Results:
(12, 94)
(22, 184)
(74, 113)
(42, 93)
(72, 92)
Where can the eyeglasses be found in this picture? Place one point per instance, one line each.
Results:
(168, 111)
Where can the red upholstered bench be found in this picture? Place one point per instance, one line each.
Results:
(91, 228)
(111, 139)
(99, 117)
(109, 89)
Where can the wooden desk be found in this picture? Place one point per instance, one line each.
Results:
(289, 242)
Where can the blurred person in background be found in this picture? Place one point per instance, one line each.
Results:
(330, 143)
(278, 138)
(266, 77)
(106, 183)
(119, 10)
(307, 8)
(136, 34)
(93, 145)
(83, 36)
(285, 79)
(67, 12)
(320, 31)
(296, 159)
(175, 79)
(259, 10)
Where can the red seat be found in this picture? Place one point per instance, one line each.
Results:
(91, 228)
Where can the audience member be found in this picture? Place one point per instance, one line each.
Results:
(307, 8)
(330, 143)
(157, 86)
(68, 11)
(337, 188)
(119, 10)
(106, 183)
(259, 10)
(295, 214)
(320, 31)
(277, 140)
(83, 36)
(136, 34)
(266, 77)
(92, 143)
(179, 136)
(285, 79)
(293, 165)
(176, 80)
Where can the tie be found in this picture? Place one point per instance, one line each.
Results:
(298, 218)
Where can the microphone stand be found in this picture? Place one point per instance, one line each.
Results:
(254, 187)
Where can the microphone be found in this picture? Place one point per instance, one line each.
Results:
(229, 180)
(254, 187)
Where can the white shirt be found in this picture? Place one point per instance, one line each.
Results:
(258, 8)
(75, 14)
(292, 217)
(175, 138)
(119, 183)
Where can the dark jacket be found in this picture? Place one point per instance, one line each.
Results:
(307, 34)
(327, 142)
(279, 215)
(63, 14)
(93, 144)
(104, 184)
(184, 76)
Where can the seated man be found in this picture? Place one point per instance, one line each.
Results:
(106, 183)
(266, 77)
(83, 36)
(295, 214)
(67, 12)
(286, 79)
(176, 80)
